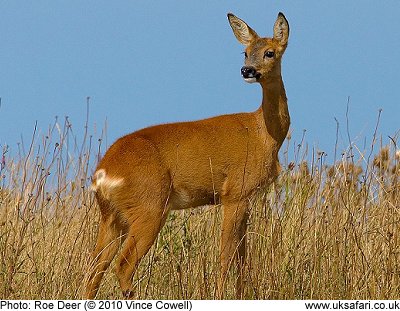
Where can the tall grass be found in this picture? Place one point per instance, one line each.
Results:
(320, 232)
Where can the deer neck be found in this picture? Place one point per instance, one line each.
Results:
(274, 110)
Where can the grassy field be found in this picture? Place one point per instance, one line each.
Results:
(320, 232)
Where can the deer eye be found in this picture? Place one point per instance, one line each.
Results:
(269, 54)
(245, 54)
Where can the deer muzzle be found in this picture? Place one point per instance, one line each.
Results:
(250, 74)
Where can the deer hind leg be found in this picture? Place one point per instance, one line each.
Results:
(107, 244)
(142, 233)
(233, 244)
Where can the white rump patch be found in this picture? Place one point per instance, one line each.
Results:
(104, 183)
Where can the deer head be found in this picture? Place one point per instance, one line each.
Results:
(262, 55)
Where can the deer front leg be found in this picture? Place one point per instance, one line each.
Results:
(233, 245)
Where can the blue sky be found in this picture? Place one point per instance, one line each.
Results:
(149, 62)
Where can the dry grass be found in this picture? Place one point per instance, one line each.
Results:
(321, 232)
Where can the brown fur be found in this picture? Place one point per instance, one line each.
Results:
(223, 159)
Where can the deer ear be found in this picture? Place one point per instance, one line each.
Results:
(281, 29)
(242, 31)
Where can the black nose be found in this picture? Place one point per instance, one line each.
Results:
(248, 72)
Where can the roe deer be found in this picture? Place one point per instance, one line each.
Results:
(224, 159)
